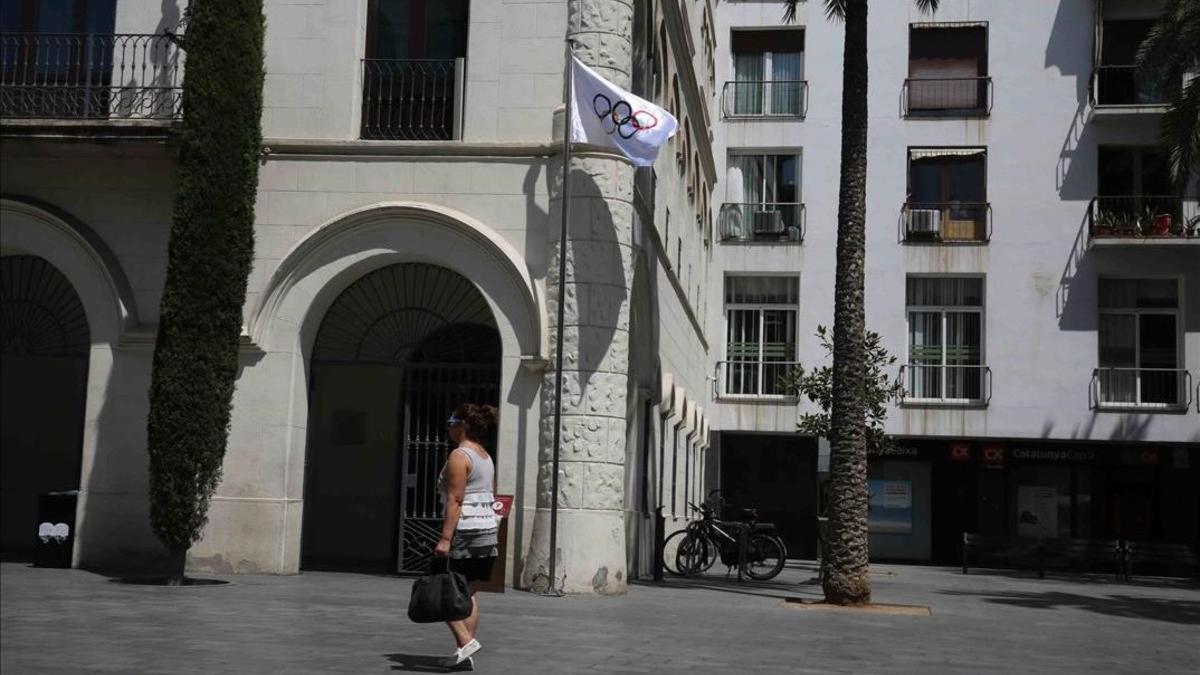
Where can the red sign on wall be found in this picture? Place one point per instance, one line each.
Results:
(502, 505)
(993, 455)
(960, 452)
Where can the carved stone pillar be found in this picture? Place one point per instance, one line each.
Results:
(599, 274)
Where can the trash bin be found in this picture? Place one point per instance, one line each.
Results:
(56, 529)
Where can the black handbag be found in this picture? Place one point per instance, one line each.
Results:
(440, 596)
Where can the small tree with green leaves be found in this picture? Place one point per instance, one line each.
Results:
(880, 388)
(816, 385)
(208, 262)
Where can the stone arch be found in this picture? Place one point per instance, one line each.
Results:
(284, 323)
(73, 248)
(31, 228)
(336, 254)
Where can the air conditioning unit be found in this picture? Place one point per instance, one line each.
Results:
(924, 222)
(768, 222)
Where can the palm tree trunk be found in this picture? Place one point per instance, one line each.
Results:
(846, 579)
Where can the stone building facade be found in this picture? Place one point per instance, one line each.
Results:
(405, 261)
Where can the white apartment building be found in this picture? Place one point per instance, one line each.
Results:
(1028, 263)
(405, 261)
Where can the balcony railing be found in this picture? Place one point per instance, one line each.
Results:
(948, 97)
(1144, 217)
(762, 222)
(752, 379)
(765, 98)
(946, 384)
(1162, 388)
(412, 100)
(90, 76)
(1126, 86)
(946, 222)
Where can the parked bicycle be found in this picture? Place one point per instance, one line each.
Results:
(747, 545)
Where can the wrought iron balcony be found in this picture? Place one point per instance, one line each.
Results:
(1150, 388)
(946, 222)
(765, 98)
(1144, 218)
(412, 99)
(90, 76)
(752, 379)
(947, 384)
(1126, 86)
(776, 222)
(947, 97)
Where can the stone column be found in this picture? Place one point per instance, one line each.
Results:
(599, 274)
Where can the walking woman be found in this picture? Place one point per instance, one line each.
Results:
(469, 529)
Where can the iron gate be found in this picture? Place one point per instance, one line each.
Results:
(431, 392)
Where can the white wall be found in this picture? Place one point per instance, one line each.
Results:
(1040, 325)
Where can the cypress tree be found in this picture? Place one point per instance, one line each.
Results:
(209, 257)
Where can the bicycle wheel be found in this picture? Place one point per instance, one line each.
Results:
(764, 557)
(668, 553)
(691, 555)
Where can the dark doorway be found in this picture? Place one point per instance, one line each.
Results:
(44, 345)
(776, 474)
(396, 352)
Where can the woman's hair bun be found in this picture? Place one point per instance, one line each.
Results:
(479, 418)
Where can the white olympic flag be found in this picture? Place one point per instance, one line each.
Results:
(608, 116)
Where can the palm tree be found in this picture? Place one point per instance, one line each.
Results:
(1171, 49)
(846, 578)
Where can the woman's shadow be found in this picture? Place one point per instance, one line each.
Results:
(418, 663)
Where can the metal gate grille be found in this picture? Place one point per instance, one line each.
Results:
(431, 392)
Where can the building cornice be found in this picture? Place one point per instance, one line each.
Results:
(677, 25)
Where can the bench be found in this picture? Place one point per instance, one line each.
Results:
(1085, 551)
(1162, 557)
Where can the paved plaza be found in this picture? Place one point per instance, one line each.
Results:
(70, 621)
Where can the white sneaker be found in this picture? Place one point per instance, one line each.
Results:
(462, 654)
(469, 664)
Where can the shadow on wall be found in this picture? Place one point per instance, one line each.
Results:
(116, 536)
(1167, 610)
(597, 279)
(1128, 427)
(1075, 302)
(1076, 170)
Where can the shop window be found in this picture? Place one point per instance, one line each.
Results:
(1140, 345)
(761, 333)
(945, 340)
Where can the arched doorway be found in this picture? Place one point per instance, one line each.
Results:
(44, 345)
(395, 352)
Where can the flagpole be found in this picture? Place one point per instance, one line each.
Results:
(562, 298)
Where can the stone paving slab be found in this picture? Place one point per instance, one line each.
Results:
(70, 621)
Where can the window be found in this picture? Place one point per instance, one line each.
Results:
(59, 16)
(1117, 79)
(1140, 349)
(947, 70)
(761, 337)
(947, 195)
(945, 340)
(414, 48)
(1136, 196)
(763, 198)
(768, 73)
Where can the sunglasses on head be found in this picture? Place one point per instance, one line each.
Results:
(454, 421)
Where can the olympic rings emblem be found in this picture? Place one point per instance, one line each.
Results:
(620, 117)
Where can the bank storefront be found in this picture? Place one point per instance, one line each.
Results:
(926, 493)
